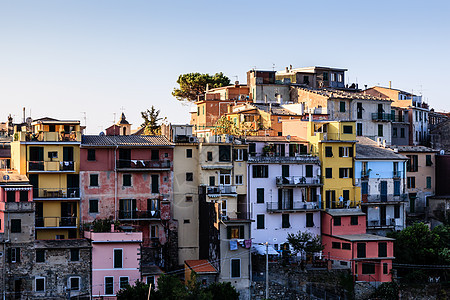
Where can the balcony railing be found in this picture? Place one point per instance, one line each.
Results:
(377, 198)
(56, 221)
(51, 166)
(222, 189)
(139, 214)
(268, 158)
(388, 223)
(291, 206)
(44, 136)
(56, 193)
(297, 181)
(381, 116)
(137, 164)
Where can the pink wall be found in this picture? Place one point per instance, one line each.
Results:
(345, 227)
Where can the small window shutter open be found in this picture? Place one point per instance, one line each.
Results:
(341, 173)
(350, 151)
(235, 154)
(241, 231)
(245, 154)
(228, 232)
(17, 254)
(8, 255)
(350, 172)
(341, 151)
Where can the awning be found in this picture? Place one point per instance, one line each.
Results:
(261, 250)
(9, 189)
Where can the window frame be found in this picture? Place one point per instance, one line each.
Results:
(120, 281)
(94, 180)
(90, 156)
(107, 284)
(74, 258)
(70, 283)
(260, 221)
(17, 226)
(231, 267)
(35, 284)
(91, 201)
(42, 251)
(126, 180)
(188, 153)
(189, 176)
(121, 258)
(239, 179)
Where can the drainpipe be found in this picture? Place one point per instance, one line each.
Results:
(115, 183)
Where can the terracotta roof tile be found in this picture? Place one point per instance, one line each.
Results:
(200, 266)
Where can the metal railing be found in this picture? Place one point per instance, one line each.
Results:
(51, 166)
(295, 205)
(139, 214)
(381, 223)
(45, 136)
(381, 116)
(377, 198)
(297, 181)
(56, 221)
(222, 189)
(142, 164)
(302, 158)
(56, 193)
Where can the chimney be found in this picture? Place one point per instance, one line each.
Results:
(236, 83)
(290, 67)
(390, 84)
(112, 227)
(365, 86)
(287, 70)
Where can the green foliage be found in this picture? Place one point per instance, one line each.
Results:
(139, 291)
(169, 287)
(386, 291)
(225, 126)
(305, 241)
(222, 291)
(194, 84)
(151, 121)
(102, 225)
(346, 281)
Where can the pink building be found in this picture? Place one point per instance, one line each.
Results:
(129, 178)
(346, 243)
(115, 261)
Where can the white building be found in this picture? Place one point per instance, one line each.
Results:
(283, 189)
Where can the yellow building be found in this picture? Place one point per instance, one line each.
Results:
(334, 143)
(48, 152)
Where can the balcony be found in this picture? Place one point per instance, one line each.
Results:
(299, 181)
(382, 199)
(45, 193)
(17, 206)
(45, 136)
(51, 166)
(56, 222)
(139, 215)
(222, 190)
(385, 117)
(381, 224)
(298, 158)
(291, 206)
(143, 165)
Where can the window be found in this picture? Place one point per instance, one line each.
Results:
(345, 172)
(337, 221)
(225, 177)
(123, 282)
(235, 268)
(325, 76)
(52, 154)
(59, 237)
(155, 184)
(224, 153)
(93, 180)
(348, 129)
(212, 180)
(402, 132)
(40, 284)
(117, 258)
(328, 172)
(394, 132)
(93, 206)
(209, 156)
(109, 285)
(359, 110)
(239, 179)
(428, 182)
(346, 246)
(380, 130)
(285, 221)
(385, 268)
(189, 176)
(359, 131)
(235, 232)
(40, 255)
(239, 154)
(260, 222)
(309, 220)
(368, 268)
(260, 195)
(74, 283)
(336, 245)
(154, 232)
(155, 154)
(126, 180)
(16, 225)
(13, 255)
(412, 163)
(396, 187)
(186, 221)
(91, 154)
(23, 196)
(188, 153)
(361, 250)
(397, 211)
(428, 160)
(345, 151)
(74, 254)
(342, 106)
(261, 171)
(309, 171)
(333, 76)
(382, 249)
(150, 280)
(343, 263)
(411, 182)
(328, 151)
(188, 198)
(354, 220)
(10, 196)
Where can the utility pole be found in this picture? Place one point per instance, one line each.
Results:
(267, 270)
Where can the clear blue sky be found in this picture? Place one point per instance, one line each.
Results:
(62, 58)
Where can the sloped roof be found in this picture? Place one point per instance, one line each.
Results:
(125, 140)
(415, 149)
(341, 212)
(332, 93)
(12, 177)
(363, 237)
(200, 266)
(368, 149)
(275, 109)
